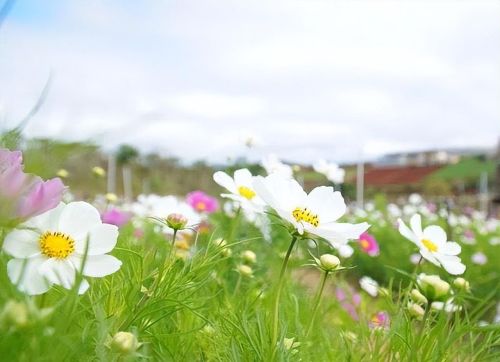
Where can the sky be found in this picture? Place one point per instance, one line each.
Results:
(339, 80)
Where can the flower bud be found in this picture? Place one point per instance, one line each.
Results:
(328, 262)
(177, 221)
(418, 297)
(124, 343)
(98, 171)
(245, 270)
(416, 311)
(249, 257)
(62, 173)
(433, 287)
(222, 244)
(111, 197)
(462, 284)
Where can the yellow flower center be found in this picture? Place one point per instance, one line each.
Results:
(429, 245)
(364, 244)
(56, 245)
(302, 214)
(246, 192)
(200, 206)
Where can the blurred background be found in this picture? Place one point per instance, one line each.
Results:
(404, 95)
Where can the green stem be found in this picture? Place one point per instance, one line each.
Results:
(173, 245)
(317, 302)
(281, 281)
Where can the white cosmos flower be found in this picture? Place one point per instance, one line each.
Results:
(272, 165)
(315, 213)
(50, 248)
(433, 244)
(332, 171)
(240, 187)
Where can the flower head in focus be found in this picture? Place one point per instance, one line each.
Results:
(240, 187)
(54, 247)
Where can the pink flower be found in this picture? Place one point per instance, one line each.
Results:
(379, 320)
(115, 217)
(368, 244)
(24, 195)
(202, 202)
(349, 301)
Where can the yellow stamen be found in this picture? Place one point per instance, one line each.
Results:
(302, 214)
(364, 244)
(56, 245)
(429, 245)
(246, 192)
(200, 206)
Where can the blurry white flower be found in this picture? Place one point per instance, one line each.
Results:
(394, 210)
(240, 188)
(369, 206)
(415, 199)
(315, 213)
(479, 258)
(433, 245)
(345, 250)
(448, 306)
(369, 285)
(272, 165)
(415, 258)
(50, 249)
(494, 241)
(332, 171)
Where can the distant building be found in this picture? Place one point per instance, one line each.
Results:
(428, 158)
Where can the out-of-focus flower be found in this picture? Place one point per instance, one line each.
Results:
(433, 245)
(369, 285)
(433, 287)
(115, 216)
(369, 244)
(21, 314)
(418, 297)
(273, 165)
(249, 257)
(479, 258)
(469, 237)
(415, 258)
(447, 306)
(240, 187)
(315, 213)
(23, 195)
(51, 248)
(124, 343)
(332, 171)
(415, 199)
(349, 300)
(379, 320)
(98, 171)
(62, 173)
(202, 202)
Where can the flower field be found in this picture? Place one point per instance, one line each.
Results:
(263, 271)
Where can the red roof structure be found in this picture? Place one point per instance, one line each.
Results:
(385, 176)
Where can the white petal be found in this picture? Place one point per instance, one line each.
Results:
(429, 256)
(436, 234)
(60, 272)
(98, 265)
(329, 205)
(48, 221)
(452, 264)
(224, 180)
(78, 218)
(102, 239)
(243, 177)
(22, 243)
(450, 248)
(84, 285)
(24, 273)
(280, 193)
(345, 250)
(416, 225)
(407, 233)
(339, 232)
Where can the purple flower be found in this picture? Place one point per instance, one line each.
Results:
(379, 320)
(115, 217)
(24, 195)
(202, 202)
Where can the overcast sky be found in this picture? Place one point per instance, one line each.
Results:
(306, 79)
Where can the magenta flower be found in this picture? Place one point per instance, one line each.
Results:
(349, 301)
(368, 244)
(115, 217)
(379, 320)
(24, 195)
(202, 202)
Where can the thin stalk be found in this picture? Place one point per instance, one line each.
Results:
(173, 245)
(281, 281)
(317, 301)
